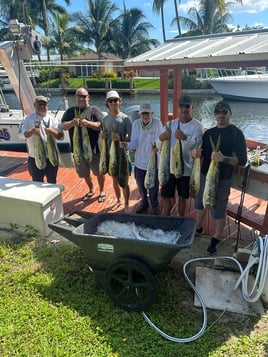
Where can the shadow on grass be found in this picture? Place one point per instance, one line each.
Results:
(72, 285)
(173, 311)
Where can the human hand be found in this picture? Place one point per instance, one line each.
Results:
(196, 153)
(180, 135)
(217, 156)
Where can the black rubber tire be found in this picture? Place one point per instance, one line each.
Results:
(130, 284)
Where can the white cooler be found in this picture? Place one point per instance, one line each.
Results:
(29, 203)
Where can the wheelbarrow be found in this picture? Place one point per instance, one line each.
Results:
(125, 267)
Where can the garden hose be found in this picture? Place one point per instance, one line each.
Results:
(259, 256)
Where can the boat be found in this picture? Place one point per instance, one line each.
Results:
(247, 85)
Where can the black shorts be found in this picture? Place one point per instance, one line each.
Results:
(182, 184)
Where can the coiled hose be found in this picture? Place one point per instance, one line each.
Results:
(259, 256)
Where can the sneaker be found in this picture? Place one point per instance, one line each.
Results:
(199, 231)
(141, 207)
(212, 247)
(156, 211)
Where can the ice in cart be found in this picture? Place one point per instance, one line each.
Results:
(126, 251)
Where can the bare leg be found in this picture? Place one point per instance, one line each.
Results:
(219, 227)
(200, 214)
(166, 206)
(182, 206)
(117, 190)
(101, 180)
(89, 183)
(126, 194)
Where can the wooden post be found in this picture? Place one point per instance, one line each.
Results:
(177, 89)
(164, 95)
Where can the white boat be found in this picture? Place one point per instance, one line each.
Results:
(245, 85)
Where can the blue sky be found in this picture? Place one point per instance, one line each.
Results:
(251, 13)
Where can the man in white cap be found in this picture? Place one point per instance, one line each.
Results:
(40, 123)
(117, 127)
(144, 135)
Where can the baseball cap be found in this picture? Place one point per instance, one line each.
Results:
(41, 98)
(222, 105)
(112, 94)
(146, 108)
(185, 99)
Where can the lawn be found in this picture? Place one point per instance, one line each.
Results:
(50, 306)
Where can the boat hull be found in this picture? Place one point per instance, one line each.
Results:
(252, 88)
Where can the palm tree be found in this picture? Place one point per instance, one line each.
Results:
(158, 7)
(130, 35)
(207, 19)
(94, 26)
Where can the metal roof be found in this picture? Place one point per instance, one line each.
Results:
(204, 51)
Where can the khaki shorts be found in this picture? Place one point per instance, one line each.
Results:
(84, 169)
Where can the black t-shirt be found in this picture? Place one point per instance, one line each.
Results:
(232, 141)
(93, 114)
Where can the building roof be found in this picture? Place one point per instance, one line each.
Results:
(249, 47)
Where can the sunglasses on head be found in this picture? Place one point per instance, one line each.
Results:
(81, 96)
(115, 100)
(187, 106)
(222, 111)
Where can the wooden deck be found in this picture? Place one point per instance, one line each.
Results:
(14, 165)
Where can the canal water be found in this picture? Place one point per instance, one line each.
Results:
(250, 117)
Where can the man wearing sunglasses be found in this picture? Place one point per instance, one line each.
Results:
(117, 127)
(40, 123)
(230, 151)
(89, 116)
(189, 131)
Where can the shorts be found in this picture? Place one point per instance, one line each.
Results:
(84, 168)
(50, 171)
(182, 184)
(224, 188)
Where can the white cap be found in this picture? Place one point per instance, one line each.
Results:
(112, 94)
(146, 108)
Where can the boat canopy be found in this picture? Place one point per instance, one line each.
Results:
(232, 49)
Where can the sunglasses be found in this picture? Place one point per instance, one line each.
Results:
(223, 111)
(115, 100)
(81, 96)
(186, 106)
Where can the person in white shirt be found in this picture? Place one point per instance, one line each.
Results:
(189, 131)
(43, 124)
(145, 133)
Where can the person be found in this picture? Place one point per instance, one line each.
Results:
(40, 123)
(117, 126)
(89, 116)
(189, 130)
(145, 133)
(232, 151)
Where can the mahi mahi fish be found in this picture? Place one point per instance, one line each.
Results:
(104, 158)
(150, 176)
(86, 145)
(194, 183)
(123, 167)
(177, 158)
(113, 160)
(52, 152)
(39, 153)
(212, 179)
(77, 149)
(164, 163)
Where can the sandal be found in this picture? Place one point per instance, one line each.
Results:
(87, 196)
(102, 197)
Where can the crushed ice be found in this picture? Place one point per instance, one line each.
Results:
(131, 231)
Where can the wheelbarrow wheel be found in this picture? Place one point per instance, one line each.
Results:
(130, 284)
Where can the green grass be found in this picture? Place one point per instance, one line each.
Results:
(148, 84)
(50, 306)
